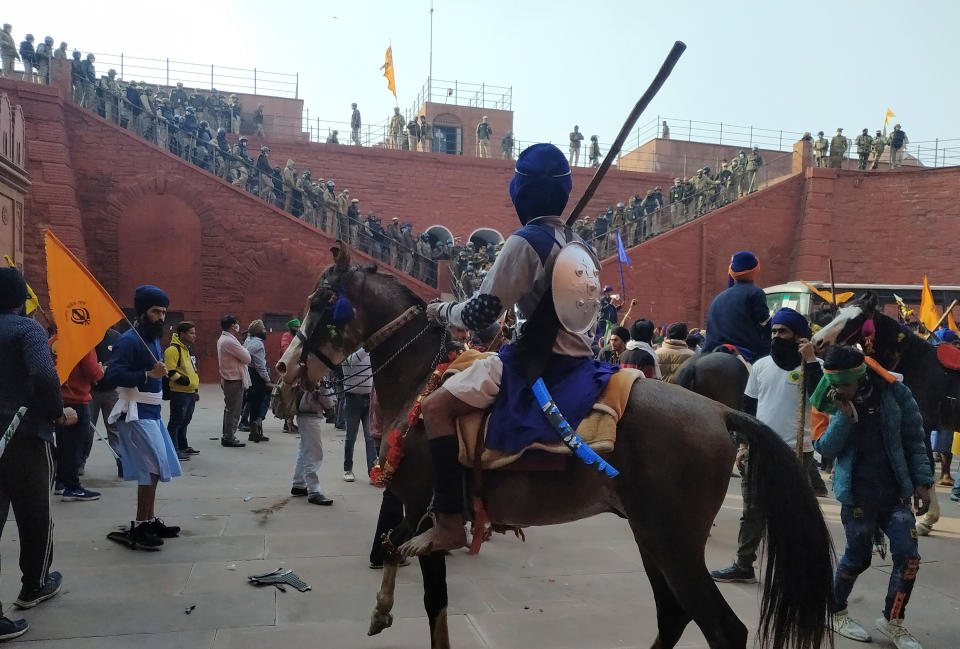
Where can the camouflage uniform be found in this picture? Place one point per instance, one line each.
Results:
(396, 129)
(876, 148)
(676, 205)
(754, 162)
(864, 144)
(111, 96)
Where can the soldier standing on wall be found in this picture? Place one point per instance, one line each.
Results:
(594, 151)
(484, 131)
(575, 138)
(355, 125)
(864, 144)
(506, 145)
(820, 149)
(838, 149)
(879, 144)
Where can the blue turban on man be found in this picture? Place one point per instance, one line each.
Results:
(792, 320)
(541, 182)
(743, 267)
(147, 296)
(946, 335)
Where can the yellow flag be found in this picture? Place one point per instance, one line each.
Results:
(828, 296)
(887, 118)
(928, 308)
(81, 308)
(387, 68)
(951, 323)
(34, 301)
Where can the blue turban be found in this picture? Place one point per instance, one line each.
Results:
(947, 335)
(147, 297)
(793, 321)
(743, 267)
(541, 182)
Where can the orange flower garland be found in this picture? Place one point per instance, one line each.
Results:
(382, 473)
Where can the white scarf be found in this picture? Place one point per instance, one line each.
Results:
(127, 403)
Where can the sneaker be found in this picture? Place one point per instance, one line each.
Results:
(923, 529)
(318, 499)
(191, 451)
(32, 597)
(80, 493)
(232, 443)
(379, 566)
(945, 481)
(58, 489)
(298, 491)
(348, 476)
(734, 574)
(10, 629)
(143, 534)
(955, 497)
(842, 623)
(183, 456)
(894, 629)
(164, 531)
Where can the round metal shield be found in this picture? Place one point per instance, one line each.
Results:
(576, 288)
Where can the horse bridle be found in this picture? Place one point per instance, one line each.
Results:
(372, 342)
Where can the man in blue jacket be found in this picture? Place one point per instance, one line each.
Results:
(146, 452)
(739, 316)
(876, 437)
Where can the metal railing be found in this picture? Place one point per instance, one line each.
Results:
(193, 147)
(167, 72)
(459, 93)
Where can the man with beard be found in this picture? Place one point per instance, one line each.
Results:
(619, 338)
(146, 452)
(876, 435)
(776, 392)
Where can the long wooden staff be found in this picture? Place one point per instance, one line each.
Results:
(675, 52)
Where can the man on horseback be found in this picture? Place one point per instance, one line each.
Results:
(739, 316)
(876, 437)
(521, 276)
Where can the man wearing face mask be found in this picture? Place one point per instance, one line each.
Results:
(234, 379)
(876, 436)
(146, 452)
(776, 393)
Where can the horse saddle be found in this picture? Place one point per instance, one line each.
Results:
(598, 429)
(949, 356)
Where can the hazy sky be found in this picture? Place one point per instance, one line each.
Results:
(779, 65)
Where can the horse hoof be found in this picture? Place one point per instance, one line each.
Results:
(379, 622)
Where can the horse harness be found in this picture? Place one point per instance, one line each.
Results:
(376, 339)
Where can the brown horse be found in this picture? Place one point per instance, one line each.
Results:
(665, 431)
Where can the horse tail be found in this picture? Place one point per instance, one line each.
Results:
(798, 580)
(686, 376)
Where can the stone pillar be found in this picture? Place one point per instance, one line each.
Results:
(802, 156)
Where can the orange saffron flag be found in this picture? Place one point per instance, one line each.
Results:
(951, 323)
(81, 308)
(928, 308)
(387, 68)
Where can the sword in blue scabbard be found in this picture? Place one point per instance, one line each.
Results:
(12, 428)
(566, 432)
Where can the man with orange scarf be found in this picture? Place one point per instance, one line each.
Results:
(739, 316)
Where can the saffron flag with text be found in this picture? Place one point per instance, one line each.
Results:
(81, 308)
(387, 68)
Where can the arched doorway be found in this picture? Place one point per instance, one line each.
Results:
(439, 235)
(482, 236)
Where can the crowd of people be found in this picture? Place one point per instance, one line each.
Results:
(831, 153)
(647, 215)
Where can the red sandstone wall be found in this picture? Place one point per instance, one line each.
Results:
(676, 275)
(461, 193)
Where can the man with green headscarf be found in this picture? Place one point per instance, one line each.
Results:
(293, 326)
(876, 435)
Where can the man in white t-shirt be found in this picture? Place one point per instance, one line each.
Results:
(778, 387)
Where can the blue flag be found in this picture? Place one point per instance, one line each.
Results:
(621, 251)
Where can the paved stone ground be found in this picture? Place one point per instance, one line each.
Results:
(578, 586)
